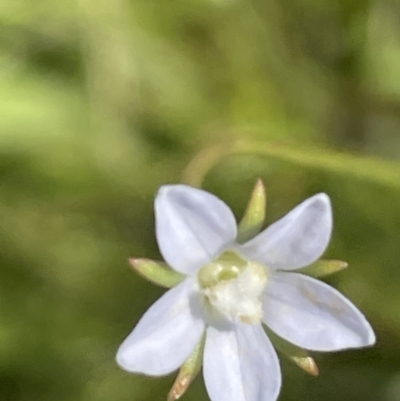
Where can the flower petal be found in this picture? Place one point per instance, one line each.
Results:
(166, 334)
(313, 315)
(241, 365)
(192, 226)
(297, 239)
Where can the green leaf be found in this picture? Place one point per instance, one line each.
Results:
(254, 215)
(323, 268)
(188, 372)
(297, 355)
(157, 272)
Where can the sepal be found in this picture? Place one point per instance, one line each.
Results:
(188, 372)
(254, 216)
(157, 272)
(323, 268)
(297, 355)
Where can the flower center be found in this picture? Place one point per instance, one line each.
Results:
(233, 287)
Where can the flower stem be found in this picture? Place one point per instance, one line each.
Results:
(364, 168)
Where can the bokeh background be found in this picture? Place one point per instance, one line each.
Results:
(101, 102)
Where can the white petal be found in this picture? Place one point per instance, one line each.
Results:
(298, 239)
(166, 334)
(313, 315)
(192, 226)
(241, 365)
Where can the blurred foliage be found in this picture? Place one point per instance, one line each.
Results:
(101, 102)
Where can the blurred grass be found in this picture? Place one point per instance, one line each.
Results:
(102, 102)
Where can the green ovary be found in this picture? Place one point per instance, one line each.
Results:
(227, 267)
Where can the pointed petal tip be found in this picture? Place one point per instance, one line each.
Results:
(371, 339)
(366, 340)
(322, 198)
(161, 190)
(125, 363)
(121, 360)
(367, 337)
(164, 190)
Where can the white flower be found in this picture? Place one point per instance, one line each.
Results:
(230, 289)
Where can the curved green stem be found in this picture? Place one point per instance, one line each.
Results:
(373, 170)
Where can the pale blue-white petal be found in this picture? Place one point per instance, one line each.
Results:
(313, 315)
(166, 334)
(296, 240)
(241, 365)
(192, 226)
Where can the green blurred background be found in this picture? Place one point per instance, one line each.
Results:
(101, 102)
